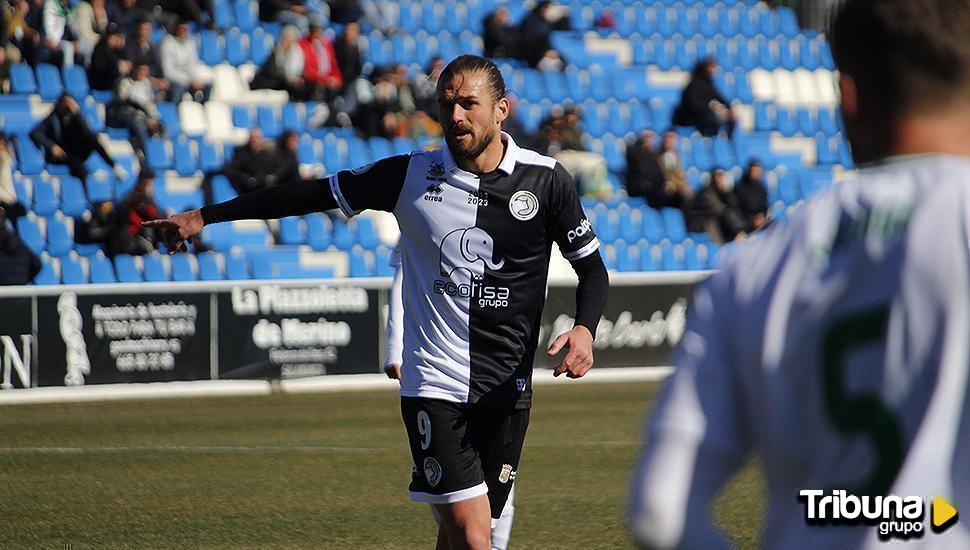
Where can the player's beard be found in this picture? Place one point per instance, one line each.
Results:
(470, 150)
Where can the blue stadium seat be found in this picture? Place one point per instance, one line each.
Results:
(382, 259)
(628, 259)
(237, 268)
(76, 81)
(242, 117)
(787, 123)
(168, 197)
(367, 233)
(157, 154)
(827, 121)
(608, 253)
(403, 145)
(169, 114)
(788, 190)
(156, 267)
(806, 121)
(653, 225)
(184, 267)
(45, 198)
(222, 190)
(29, 157)
(814, 180)
(100, 188)
(73, 271)
(211, 157)
(343, 235)
(30, 232)
(49, 82)
(671, 257)
(268, 119)
(186, 163)
(93, 116)
(749, 22)
(47, 274)
(318, 231)
(260, 46)
(126, 268)
(210, 266)
(729, 21)
(211, 50)
(703, 153)
(631, 224)
(788, 54)
(787, 21)
(827, 149)
(246, 14)
(648, 256)
(237, 47)
(22, 79)
(695, 256)
(742, 87)
(808, 53)
(222, 14)
(724, 151)
(59, 239)
(673, 220)
(73, 200)
(292, 231)
(361, 263)
(101, 270)
(294, 117)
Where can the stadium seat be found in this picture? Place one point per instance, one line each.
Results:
(211, 49)
(292, 231)
(74, 270)
(49, 268)
(76, 81)
(45, 198)
(157, 154)
(211, 266)
(127, 269)
(169, 115)
(211, 157)
(361, 263)
(101, 270)
(237, 268)
(268, 120)
(246, 14)
(318, 229)
(367, 233)
(343, 235)
(73, 201)
(49, 82)
(185, 160)
(184, 267)
(673, 220)
(295, 117)
(157, 267)
(22, 79)
(30, 160)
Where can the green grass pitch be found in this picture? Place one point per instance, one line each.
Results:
(310, 470)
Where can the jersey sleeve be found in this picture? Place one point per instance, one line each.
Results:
(375, 186)
(696, 437)
(395, 314)
(568, 224)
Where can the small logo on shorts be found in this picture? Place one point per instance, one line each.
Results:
(507, 474)
(432, 471)
(520, 384)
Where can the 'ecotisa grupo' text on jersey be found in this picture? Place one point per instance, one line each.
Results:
(475, 250)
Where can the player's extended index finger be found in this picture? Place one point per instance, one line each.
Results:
(159, 223)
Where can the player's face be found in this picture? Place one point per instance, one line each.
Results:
(469, 116)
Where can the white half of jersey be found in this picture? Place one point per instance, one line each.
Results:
(756, 367)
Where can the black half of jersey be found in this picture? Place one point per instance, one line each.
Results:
(375, 186)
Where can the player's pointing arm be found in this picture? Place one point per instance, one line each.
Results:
(375, 187)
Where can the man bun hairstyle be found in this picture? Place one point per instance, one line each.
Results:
(473, 63)
(905, 55)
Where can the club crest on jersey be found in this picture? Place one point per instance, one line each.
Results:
(433, 193)
(507, 474)
(432, 471)
(524, 205)
(436, 172)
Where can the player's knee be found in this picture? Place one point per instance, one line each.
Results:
(477, 539)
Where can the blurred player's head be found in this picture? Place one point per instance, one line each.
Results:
(901, 61)
(471, 104)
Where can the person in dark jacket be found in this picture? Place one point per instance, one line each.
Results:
(287, 164)
(701, 105)
(18, 264)
(67, 139)
(535, 33)
(140, 49)
(252, 167)
(108, 60)
(715, 209)
(645, 176)
(348, 53)
(499, 36)
(753, 196)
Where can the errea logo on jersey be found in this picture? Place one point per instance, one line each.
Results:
(895, 516)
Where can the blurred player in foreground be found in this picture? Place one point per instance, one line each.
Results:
(478, 219)
(393, 358)
(837, 347)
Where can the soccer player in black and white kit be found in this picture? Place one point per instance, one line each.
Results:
(478, 220)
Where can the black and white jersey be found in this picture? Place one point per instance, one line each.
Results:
(475, 252)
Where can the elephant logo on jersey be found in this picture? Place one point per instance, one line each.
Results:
(524, 205)
(463, 248)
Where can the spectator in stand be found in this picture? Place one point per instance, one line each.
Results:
(345, 11)
(551, 61)
(67, 139)
(287, 165)
(181, 66)
(646, 176)
(499, 36)
(671, 164)
(394, 100)
(138, 206)
(284, 68)
(18, 264)
(348, 54)
(89, 22)
(134, 107)
(561, 138)
(320, 64)
(24, 38)
(127, 14)
(534, 34)
(58, 42)
(8, 195)
(139, 49)
(108, 61)
(197, 11)
(253, 166)
(753, 197)
(425, 86)
(288, 12)
(701, 105)
(715, 210)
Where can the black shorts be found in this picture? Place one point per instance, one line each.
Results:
(462, 451)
